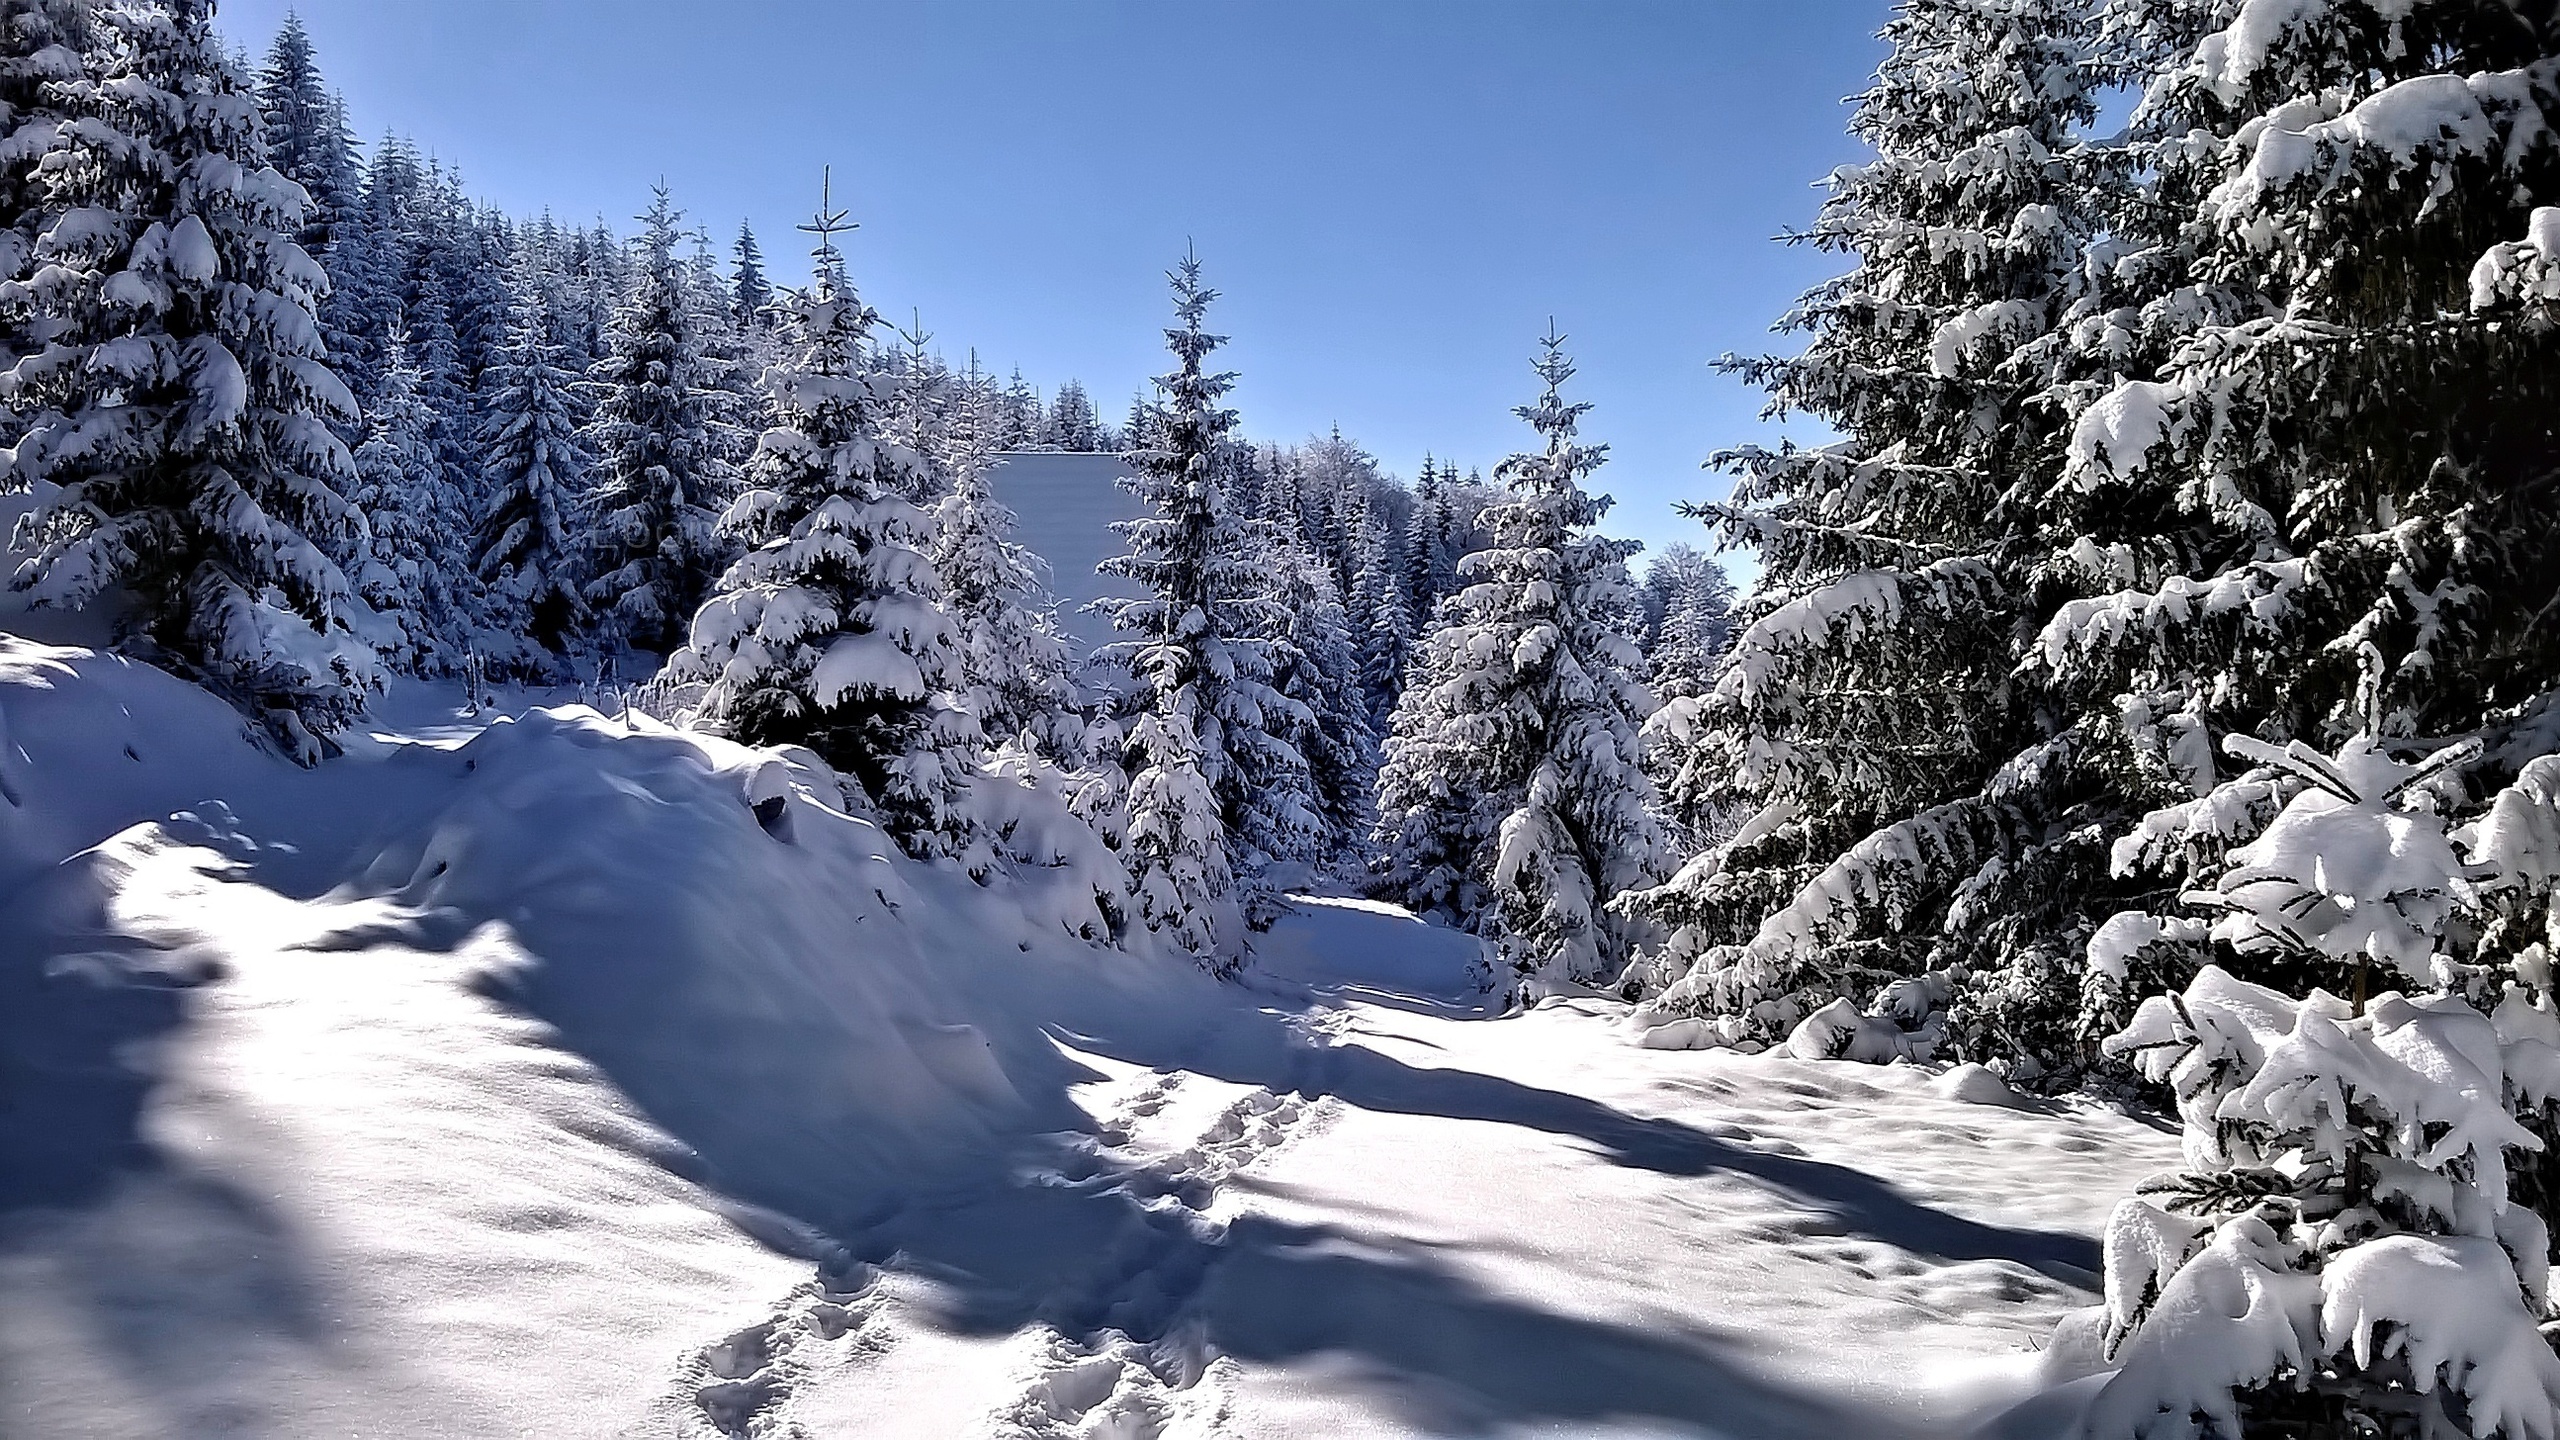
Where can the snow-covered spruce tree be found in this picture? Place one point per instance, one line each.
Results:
(829, 632)
(659, 481)
(1139, 430)
(1380, 614)
(1431, 548)
(43, 60)
(1688, 612)
(2310, 487)
(1216, 792)
(2344, 1253)
(181, 404)
(1072, 423)
(414, 568)
(1866, 732)
(750, 293)
(526, 543)
(733, 362)
(924, 400)
(1318, 665)
(307, 137)
(1512, 798)
(1016, 672)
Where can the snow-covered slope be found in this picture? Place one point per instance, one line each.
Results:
(526, 1083)
(1066, 503)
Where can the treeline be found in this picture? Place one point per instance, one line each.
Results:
(307, 416)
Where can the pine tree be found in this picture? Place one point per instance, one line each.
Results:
(1216, 793)
(414, 512)
(307, 136)
(1072, 425)
(1512, 799)
(526, 545)
(2308, 489)
(1015, 667)
(1430, 549)
(42, 54)
(182, 405)
(1862, 728)
(1320, 667)
(658, 476)
(1381, 615)
(749, 291)
(829, 632)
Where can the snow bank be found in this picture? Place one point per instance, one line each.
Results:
(91, 743)
(343, 1101)
(520, 1048)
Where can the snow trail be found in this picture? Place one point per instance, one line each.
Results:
(529, 1050)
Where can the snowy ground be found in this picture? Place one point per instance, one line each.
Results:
(522, 1083)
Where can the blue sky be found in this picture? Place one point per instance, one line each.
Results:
(1394, 195)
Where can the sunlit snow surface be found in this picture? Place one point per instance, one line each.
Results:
(1064, 505)
(522, 1083)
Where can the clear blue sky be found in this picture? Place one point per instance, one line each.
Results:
(1394, 195)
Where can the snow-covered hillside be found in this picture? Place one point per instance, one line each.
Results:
(519, 1080)
(1065, 504)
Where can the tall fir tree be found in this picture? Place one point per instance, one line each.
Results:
(1072, 423)
(829, 632)
(1380, 614)
(414, 512)
(749, 291)
(43, 56)
(1216, 792)
(1431, 553)
(2312, 465)
(182, 405)
(526, 545)
(1320, 668)
(307, 136)
(1860, 732)
(1512, 798)
(659, 481)
(1016, 669)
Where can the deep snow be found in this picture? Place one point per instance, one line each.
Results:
(513, 1079)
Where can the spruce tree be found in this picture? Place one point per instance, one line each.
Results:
(526, 545)
(1512, 799)
(829, 632)
(1138, 432)
(1072, 424)
(658, 475)
(414, 513)
(733, 360)
(1319, 666)
(1859, 732)
(1430, 552)
(1216, 791)
(1015, 667)
(2307, 484)
(183, 404)
(923, 407)
(43, 45)
(1380, 615)
(307, 136)
(1021, 411)
(749, 291)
